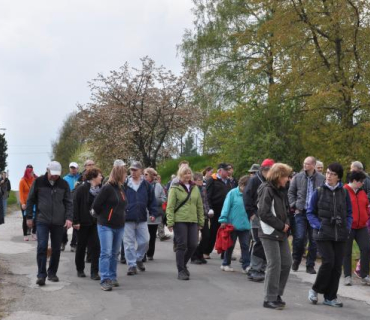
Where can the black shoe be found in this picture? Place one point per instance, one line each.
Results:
(40, 281)
(182, 275)
(144, 259)
(140, 265)
(123, 260)
(81, 274)
(150, 258)
(311, 270)
(272, 305)
(95, 276)
(196, 261)
(62, 247)
(53, 278)
(131, 271)
(186, 271)
(295, 265)
(280, 301)
(204, 261)
(88, 260)
(257, 276)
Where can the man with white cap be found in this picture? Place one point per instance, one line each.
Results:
(51, 197)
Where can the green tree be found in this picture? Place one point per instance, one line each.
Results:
(3, 150)
(190, 149)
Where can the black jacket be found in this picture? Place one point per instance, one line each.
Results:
(82, 204)
(110, 206)
(53, 202)
(216, 193)
(250, 195)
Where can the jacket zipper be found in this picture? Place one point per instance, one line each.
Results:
(335, 211)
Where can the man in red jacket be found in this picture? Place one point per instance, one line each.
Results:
(360, 214)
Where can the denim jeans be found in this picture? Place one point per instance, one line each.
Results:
(110, 243)
(135, 232)
(243, 240)
(303, 228)
(56, 234)
(5, 205)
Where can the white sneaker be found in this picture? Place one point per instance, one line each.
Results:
(33, 237)
(26, 238)
(348, 281)
(227, 269)
(366, 281)
(312, 296)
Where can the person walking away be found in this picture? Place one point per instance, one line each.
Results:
(109, 207)
(52, 198)
(217, 186)
(185, 217)
(273, 209)
(360, 214)
(140, 197)
(24, 189)
(233, 212)
(5, 187)
(85, 224)
(72, 178)
(250, 197)
(300, 191)
(330, 215)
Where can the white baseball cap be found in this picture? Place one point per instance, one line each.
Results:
(74, 165)
(55, 168)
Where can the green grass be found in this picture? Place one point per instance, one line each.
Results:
(12, 198)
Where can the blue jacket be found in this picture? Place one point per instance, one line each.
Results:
(233, 211)
(140, 201)
(72, 179)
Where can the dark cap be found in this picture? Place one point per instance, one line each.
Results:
(223, 165)
(136, 165)
(254, 168)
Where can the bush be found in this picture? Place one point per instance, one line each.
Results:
(12, 198)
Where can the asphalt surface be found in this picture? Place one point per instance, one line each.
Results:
(153, 294)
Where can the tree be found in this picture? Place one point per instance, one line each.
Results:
(136, 113)
(190, 150)
(3, 150)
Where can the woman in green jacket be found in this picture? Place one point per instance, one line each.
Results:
(185, 217)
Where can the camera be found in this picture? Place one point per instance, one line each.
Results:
(336, 221)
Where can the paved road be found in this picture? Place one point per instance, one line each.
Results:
(154, 294)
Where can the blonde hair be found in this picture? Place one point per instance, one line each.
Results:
(278, 171)
(117, 175)
(152, 172)
(183, 170)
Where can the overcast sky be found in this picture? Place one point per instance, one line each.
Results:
(49, 50)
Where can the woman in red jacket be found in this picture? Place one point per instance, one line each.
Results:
(360, 214)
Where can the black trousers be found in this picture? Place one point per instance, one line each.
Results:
(153, 236)
(88, 236)
(26, 230)
(74, 237)
(328, 276)
(203, 244)
(362, 238)
(186, 238)
(213, 232)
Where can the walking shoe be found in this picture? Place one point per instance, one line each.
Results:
(357, 274)
(114, 283)
(249, 273)
(150, 258)
(365, 281)
(106, 286)
(348, 281)
(245, 271)
(165, 238)
(73, 248)
(26, 238)
(257, 276)
(196, 261)
(131, 271)
(182, 275)
(311, 270)
(144, 259)
(295, 265)
(123, 260)
(140, 266)
(53, 278)
(206, 256)
(33, 237)
(62, 247)
(227, 269)
(204, 261)
(95, 276)
(272, 305)
(280, 301)
(333, 303)
(313, 296)
(81, 274)
(40, 281)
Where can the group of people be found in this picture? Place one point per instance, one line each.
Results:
(123, 214)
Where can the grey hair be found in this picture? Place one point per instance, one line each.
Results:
(118, 163)
(319, 163)
(358, 165)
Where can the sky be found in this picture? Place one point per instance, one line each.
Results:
(49, 50)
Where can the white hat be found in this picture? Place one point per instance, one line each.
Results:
(119, 163)
(74, 165)
(55, 168)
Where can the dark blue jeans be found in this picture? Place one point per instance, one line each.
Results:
(56, 233)
(303, 229)
(243, 240)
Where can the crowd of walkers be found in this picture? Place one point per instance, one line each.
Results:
(124, 214)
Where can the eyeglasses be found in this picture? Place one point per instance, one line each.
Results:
(332, 174)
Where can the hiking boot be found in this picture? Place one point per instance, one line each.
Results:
(114, 283)
(310, 270)
(365, 281)
(53, 278)
(295, 265)
(280, 301)
(95, 276)
(165, 238)
(40, 281)
(106, 286)
(81, 274)
(131, 271)
(140, 266)
(333, 303)
(196, 261)
(347, 281)
(313, 296)
(182, 275)
(227, 269)
(272, 305)
(62, 247)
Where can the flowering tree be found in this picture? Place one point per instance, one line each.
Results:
(136, 113)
